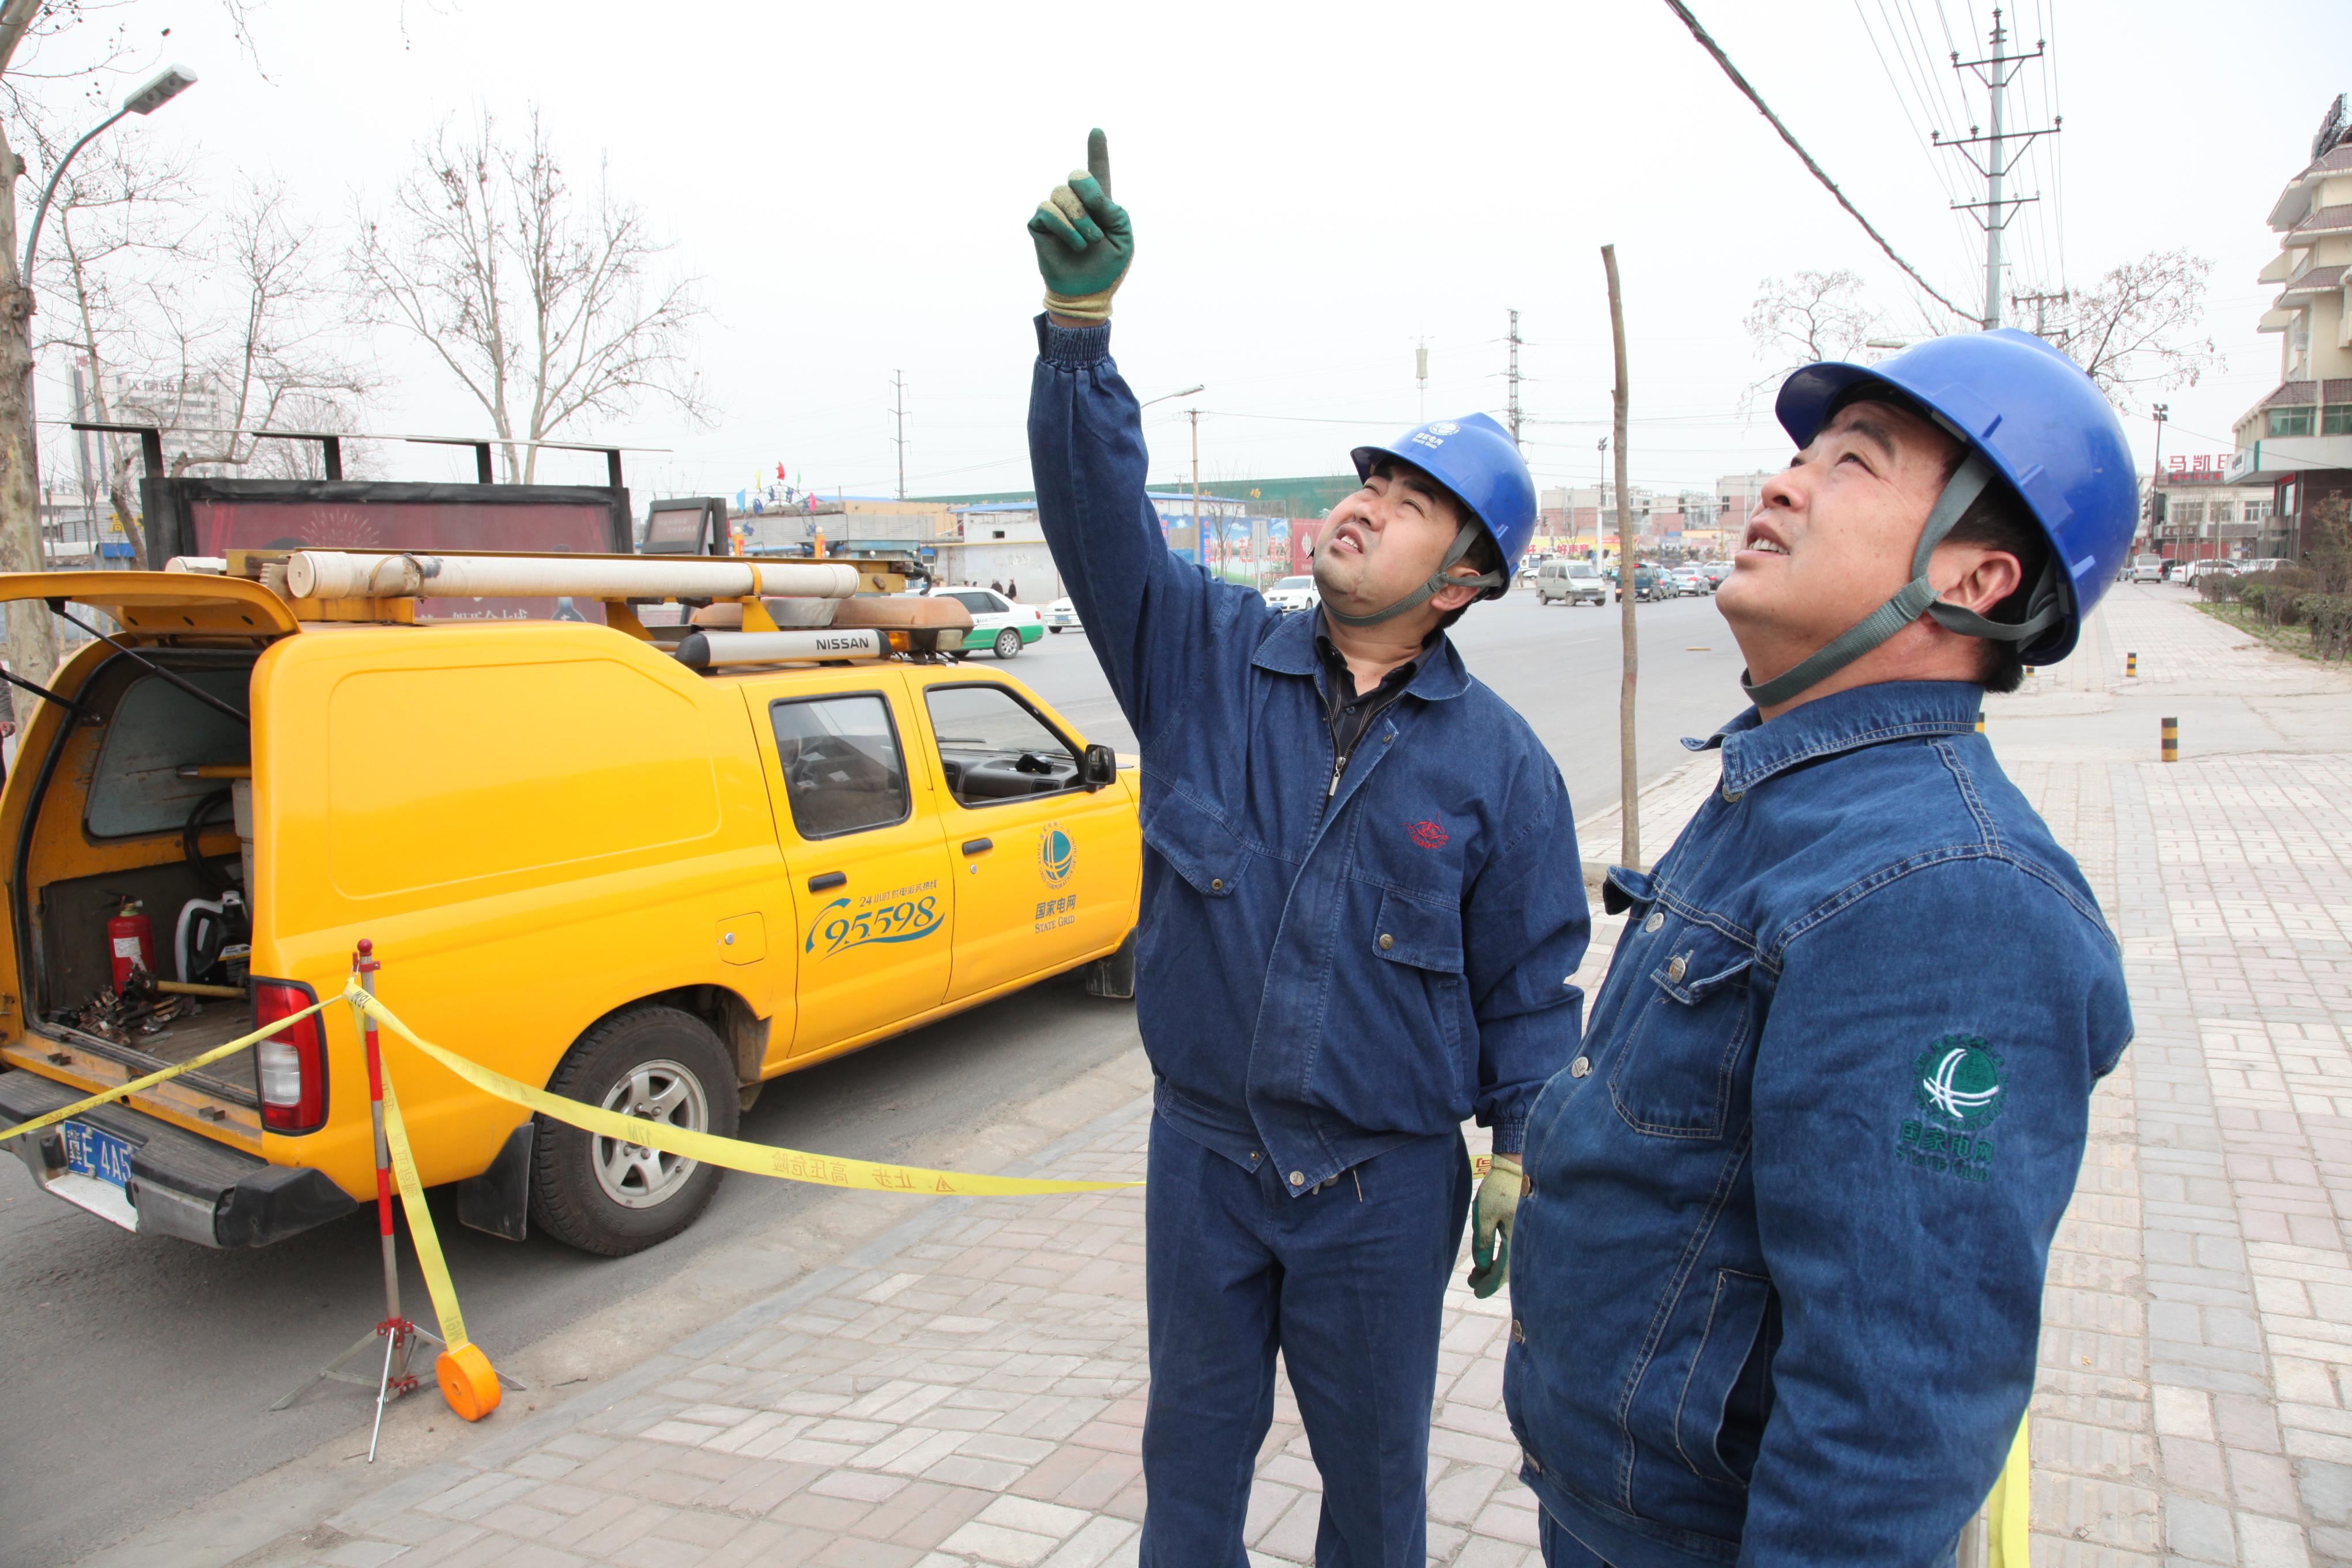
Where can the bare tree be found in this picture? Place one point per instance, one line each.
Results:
(2136, 330)
(268, 353)
(1811, 317)
(539, 299)
(121, 216)
(25, 27)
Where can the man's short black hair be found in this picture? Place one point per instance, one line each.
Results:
(1997, 520)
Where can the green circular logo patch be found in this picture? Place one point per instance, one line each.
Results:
(1957, 1079)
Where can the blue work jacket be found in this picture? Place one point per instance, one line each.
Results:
(1326, 966)
(1776, 1283)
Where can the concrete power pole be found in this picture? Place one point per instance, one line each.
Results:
(1514, 378)
(1421, 376)
(1629, 778)
(1200, 533)
(899, 407)
(2002, 148)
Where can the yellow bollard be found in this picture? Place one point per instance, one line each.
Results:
(2172, 740)
(2131, 664)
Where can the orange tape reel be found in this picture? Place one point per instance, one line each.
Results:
(468, 1381)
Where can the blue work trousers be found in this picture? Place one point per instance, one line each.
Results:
(1347, 1281)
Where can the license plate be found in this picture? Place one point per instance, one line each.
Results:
(95, 1153)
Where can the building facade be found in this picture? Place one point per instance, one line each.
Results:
(2296, 442)
(2191, 511)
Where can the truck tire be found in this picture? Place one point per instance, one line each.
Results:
(604, 1196)
(1008, 643)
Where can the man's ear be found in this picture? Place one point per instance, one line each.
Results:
(1981, 578)
(1454, 597)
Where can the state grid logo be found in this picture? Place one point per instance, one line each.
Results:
(1444, 428)
(1057, 856)
(1957, 1079)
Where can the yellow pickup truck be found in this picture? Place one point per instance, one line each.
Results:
(647, 868)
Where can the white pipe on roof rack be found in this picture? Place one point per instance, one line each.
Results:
(209, 565)
(351, 574)
(710, 649)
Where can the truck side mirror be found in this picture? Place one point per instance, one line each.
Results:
(1098, 767)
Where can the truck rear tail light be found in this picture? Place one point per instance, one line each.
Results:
(290, 1067)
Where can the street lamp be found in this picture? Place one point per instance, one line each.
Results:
(2157, 509)
(1166, 396)
(173, 81)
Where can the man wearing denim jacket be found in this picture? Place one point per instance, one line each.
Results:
(1776, 1284)
(1362, 906)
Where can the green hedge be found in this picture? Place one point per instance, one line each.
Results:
(2329, 615)
(2219, 586)
(2279, 604)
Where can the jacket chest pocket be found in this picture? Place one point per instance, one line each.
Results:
(1197, 845)
(1687, 1025)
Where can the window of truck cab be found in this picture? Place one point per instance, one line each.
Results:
(844, 771)
(994, 748)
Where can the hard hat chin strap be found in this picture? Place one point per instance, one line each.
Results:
(1463, 538)
(2044, 606)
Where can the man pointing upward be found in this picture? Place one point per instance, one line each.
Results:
(1362, 904)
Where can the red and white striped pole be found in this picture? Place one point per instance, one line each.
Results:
(396, 1329)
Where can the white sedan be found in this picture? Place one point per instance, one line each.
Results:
(1294, 594)
(1062, 613)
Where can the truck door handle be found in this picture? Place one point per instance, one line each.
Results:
(977, 846)
(829, 880)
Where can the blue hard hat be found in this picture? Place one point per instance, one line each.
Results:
(1475, 457)
(2039, 420)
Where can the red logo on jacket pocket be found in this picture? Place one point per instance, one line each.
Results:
(1429, 836)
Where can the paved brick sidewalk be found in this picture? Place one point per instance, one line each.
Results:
(970, 1390)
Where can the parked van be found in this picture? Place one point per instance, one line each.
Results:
(639, 873)
(1570, 582)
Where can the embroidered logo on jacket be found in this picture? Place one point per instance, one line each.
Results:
(1957, 1089)
(1429, 836)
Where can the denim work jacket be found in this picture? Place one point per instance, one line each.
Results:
(1777, 1278)
(1326, 966)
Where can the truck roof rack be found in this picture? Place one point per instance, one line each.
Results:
(746, 611)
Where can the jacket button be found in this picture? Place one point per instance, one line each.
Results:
(1518, 1333)
(1580, 1067)
(1731, 796)
(1653, 922)
(1532, 1462)
(1387, 942)
(1216, 884)
(1677, 966)
(1297, 1178)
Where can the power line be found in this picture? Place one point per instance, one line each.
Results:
(1829, 184)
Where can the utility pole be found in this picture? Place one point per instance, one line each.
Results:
(2156, 505)
(1421, 376)
(2041, 302)
(1629, 780)
(1514, 378)
(1200, 533)
(899, 407)
(2002, 148)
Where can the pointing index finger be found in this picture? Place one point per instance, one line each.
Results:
(1098, 158)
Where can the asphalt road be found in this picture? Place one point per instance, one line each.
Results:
(140, 1370)
(1559, 666)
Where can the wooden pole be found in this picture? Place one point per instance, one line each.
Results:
(1629, 781)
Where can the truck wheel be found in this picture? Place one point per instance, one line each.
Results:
(605, 1196)
(1008, 643)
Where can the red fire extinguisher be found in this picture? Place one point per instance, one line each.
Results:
(131, 936)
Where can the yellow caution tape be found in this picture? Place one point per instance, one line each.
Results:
(733, 1154)
(427, 1241)
(123, 1089)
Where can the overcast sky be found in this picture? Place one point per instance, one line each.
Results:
(1314, 188)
